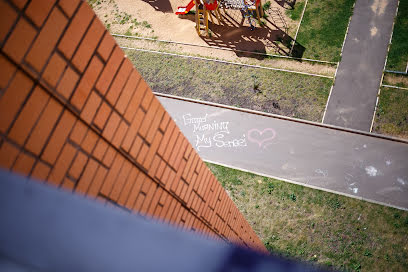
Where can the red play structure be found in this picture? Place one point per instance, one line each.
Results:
(204, 9)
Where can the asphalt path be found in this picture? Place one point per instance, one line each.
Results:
(354, 95)
(343, 162)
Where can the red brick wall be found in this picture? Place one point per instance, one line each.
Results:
(75, 113)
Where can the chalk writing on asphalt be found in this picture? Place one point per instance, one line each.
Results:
(212, 133)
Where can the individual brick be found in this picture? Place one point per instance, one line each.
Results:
(152, 151)
(87, 177)
(78, 165)
(13, 98)
(38, 10)
(20, 40)
(165, 121)
(100, 149)
(106, 46)
(149, 196)
(87, 82)
(109, 71)
(90, 141)
(177, 154)
(67, 83)
(8, 70)
(109, 156)
(127, 92)
(119, 81)
(76, 30)
(24, 164)
(160, 170)
(166, 138)
(8, 154)
(111, 126)
(102, 115)
(155, 201)
(120, 134)
(170, 147)
(133, 129)
(69, 6)
(153, 168)
(155, 124)
(134, 150)
(29, 115)
(135, 190)
(61, 166)
(19, 3)
(79, 132)
(112, 175)
(135, 102)
(142, 153)
(139, 202)
(127, 187)
(44, 126)
(147, 99)
(68, 184)
(58, 137)
(147, 121)
(88, 45)
(91, 106)
(7, 19)
(41, 171)
(45, 42)
(54, 70)
(120, 181)
(97, 181)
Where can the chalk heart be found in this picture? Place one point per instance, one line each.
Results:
(261, 137)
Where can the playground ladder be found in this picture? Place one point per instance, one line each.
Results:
(201, 19)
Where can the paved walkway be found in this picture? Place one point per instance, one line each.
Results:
(342, 162)
(353, 98)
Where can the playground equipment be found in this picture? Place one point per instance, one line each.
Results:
(204, 9)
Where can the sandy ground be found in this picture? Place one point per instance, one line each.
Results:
(156, 19)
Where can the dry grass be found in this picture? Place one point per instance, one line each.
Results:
(317, 226)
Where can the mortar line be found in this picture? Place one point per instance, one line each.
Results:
(226, 62)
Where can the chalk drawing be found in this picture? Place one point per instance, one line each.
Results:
(261, 137)
(353, 188)
(324, 173)
(212, 133)
(401, 181)
(371, 171)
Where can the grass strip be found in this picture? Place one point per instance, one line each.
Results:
(398, 54)
(323, 28)
(316, 226)
(269, 91)
(391, 117)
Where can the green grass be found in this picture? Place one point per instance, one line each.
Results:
(276, 92)
(398, 54)
(323, 28)
(320, 227)
(392, 113)
(296, 13)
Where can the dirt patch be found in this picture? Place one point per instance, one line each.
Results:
(395, 80)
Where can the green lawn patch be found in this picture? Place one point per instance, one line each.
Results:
(398, 54)
(320, 227)
(392, 113)
(323, 28)
(276, 92)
